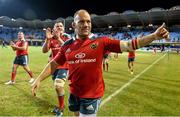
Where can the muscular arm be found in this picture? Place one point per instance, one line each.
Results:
(45, 47)
(47, 71)
(134, 44)
(145, 40)
(137, 43)
(24, 47)
(13, 48)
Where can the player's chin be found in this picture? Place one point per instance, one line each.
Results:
(86, 33)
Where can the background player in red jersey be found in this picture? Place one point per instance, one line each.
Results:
(84, 54)
(53, 42)
(131, 57)
(106, 61)
(21, 48)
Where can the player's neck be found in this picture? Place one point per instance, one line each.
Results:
(23, 39)
(80, 37)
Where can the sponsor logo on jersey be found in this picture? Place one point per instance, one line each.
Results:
(80, 55)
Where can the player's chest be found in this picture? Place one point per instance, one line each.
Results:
(55, 44)
(83, 51)
(19, 44)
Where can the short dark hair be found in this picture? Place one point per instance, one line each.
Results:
(58, 21)
(21, 32)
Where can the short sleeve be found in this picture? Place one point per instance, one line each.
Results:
(60, 57)
(112, 45)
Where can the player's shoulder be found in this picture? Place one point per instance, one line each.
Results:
(69, 41)
(23, 40)
(66, 35)
(96, 37)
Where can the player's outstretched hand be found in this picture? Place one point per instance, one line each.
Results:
(162, 33)
(35, 85)
(49, 33)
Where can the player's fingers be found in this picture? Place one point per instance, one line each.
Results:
(162, 26)
(163, 31)
(166, 35)
(33, 91)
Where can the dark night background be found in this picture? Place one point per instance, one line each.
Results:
(53, 9)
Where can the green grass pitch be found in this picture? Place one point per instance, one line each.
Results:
(156, 92)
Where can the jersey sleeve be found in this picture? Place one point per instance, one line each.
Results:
(111, 45)
(60, 57)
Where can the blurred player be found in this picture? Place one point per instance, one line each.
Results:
(154, 50)
(84, 54)
(53, 42)
(131, 57)
(106, 61)
(21, 48)
(116, 56)
(4, 44)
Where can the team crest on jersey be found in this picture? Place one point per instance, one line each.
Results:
(94, 46)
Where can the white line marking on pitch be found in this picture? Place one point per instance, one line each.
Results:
(128, 83)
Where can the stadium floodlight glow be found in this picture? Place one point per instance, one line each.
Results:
(20, 27)
(109, 26)
(13, 19)
(44, 29)
(150, 25)
(70, 28)
(1, 25)
(129, 26)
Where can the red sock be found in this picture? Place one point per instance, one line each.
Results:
(107, 65)
(103, 66)
(30, 74)
(61, 101)
(13, 76)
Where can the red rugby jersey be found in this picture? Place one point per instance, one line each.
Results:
(21, 43)
(85, 64)
(55, 47)
(131, 54)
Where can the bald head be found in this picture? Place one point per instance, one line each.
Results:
(82, 23)
(81, 13)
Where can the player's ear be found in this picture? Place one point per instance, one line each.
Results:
(73, 24)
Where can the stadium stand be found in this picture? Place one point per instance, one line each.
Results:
(127, 25)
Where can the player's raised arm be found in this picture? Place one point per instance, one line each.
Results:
(24, 47)
(12, 45)
(45, 47)
(160, 33)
